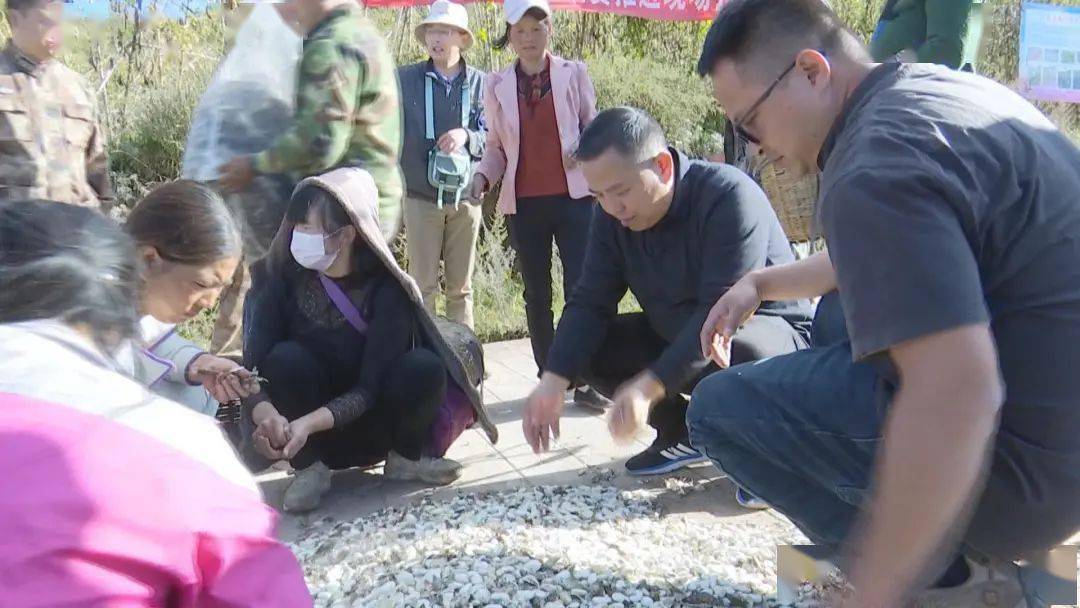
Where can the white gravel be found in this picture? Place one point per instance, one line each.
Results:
(542, 547)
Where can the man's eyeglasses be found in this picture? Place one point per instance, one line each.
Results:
(737, 124)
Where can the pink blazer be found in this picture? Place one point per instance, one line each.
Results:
(575, 107)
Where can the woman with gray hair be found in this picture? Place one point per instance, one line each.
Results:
(110, 493)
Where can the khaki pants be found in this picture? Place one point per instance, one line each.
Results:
(446, 234)
(226, 341)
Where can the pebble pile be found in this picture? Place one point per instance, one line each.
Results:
(540, 547)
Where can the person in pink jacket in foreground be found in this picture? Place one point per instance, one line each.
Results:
(109, 494)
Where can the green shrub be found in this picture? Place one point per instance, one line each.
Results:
(152, 145)
(497, 291)
(162, 70)
(678, 100)
(632, 61)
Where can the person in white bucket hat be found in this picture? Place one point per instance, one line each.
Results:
(448, 14)
(536, 109)
(443, 138)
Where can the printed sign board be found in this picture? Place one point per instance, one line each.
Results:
(1050, 52)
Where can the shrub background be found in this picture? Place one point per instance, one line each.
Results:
(150, 71)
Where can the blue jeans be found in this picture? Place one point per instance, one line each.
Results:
(799, 430)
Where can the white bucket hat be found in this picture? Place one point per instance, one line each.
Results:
(516, 9)
(444, 12)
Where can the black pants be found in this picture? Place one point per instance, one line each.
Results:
(632, 345)
(405, 406)
(539, 221)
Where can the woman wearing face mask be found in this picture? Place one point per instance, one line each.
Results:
(111, 495)
(190, 246)
(356, 371)
(536, 109)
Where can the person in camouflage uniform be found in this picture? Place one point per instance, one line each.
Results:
(51, 146)
(347, 109)
(347, 114)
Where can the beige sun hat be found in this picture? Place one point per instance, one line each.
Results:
(444, 12)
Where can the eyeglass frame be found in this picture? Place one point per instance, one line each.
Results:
(736, 125)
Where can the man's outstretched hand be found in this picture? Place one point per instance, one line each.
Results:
(633, 401)
(540, 419)
(732, 310)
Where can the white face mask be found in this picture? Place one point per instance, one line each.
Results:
(309, 250)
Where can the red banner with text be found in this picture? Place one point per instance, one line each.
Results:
(667, 10)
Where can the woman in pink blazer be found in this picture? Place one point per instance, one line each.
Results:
(535, 111)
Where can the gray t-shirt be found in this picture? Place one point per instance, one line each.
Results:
(948, 200)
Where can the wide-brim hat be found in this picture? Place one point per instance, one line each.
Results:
(444, 12)
(516, 9)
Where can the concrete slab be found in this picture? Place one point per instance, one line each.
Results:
(484, 465)
(558, 466)
(509, 385)
(502, 413)
(585, 454)
(588, 429)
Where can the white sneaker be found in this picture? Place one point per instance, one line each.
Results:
(436, 471)
(307, 489)
(991, 585)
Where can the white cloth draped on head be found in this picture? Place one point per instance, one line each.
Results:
(355, 190)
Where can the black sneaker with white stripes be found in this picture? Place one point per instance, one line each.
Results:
(659, 459)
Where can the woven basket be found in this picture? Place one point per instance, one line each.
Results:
(794, 199)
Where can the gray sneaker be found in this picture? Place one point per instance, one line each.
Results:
(307, 489)
(435, 471)
(991, 585)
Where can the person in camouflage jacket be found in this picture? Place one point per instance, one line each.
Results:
(347, 109)
(51, 144)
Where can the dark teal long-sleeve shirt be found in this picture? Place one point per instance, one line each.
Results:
(946, 32)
